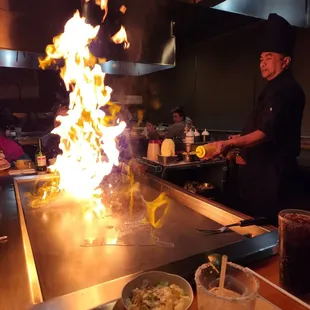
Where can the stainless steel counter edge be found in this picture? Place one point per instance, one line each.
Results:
(14, 285)
(35, 290)
(88, 298)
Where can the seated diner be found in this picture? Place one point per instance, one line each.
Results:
(11, 149)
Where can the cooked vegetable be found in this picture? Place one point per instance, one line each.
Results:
(160, 297)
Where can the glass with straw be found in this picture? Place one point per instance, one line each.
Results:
(232, 288)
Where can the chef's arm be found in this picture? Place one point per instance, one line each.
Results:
(223, 147)
(248, 140)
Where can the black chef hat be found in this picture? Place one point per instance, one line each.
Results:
(278, 36)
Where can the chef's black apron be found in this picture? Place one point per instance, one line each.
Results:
(271, 167)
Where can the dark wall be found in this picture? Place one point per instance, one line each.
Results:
(225, 80)
(170, 88)
(217, 80)
(301, 69)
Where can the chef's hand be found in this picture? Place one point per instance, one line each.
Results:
(233, 137)
(221, 149)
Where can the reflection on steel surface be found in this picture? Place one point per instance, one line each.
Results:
(35, 289)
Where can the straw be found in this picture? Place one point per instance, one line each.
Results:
(223, 272)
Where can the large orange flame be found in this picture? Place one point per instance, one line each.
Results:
(88, 144)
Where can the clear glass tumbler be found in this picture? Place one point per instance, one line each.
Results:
(239, 293)
(294, 249)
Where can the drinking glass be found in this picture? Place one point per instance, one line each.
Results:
(294, 248)
(239, 293)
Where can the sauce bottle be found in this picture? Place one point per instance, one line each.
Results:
(204, 150)
(197, 135)
(40, 158)
(190, 137)
(153, 150)
(205, 135)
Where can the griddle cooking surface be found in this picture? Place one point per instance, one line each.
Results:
(64, 266)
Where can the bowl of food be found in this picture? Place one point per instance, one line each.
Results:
(157, 289)
(23, 164)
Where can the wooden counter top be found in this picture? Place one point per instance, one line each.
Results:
(269, 269)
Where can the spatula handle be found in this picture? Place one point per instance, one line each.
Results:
(253, 221)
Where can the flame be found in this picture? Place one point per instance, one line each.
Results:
(102, 3)
(87, 135)
(88, 144)
(121, 37)
(123, 9)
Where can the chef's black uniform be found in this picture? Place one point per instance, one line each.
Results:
(268, 176)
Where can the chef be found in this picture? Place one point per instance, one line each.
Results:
(270, 140)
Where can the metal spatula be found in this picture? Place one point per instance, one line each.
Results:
(243, 223)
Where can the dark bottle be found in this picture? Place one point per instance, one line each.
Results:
(40, 158)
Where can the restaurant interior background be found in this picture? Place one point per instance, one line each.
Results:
(216, 77)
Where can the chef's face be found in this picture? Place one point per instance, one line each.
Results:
(272, 64)
(177, 118)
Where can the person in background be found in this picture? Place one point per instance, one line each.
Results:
(270, 140)
(11, 149)
(50, 142)
(178, 115)
(140, 118)
(151, 132)
(177, 128)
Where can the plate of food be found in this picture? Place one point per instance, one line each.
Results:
(157, 290)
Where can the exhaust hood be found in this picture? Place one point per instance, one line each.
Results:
(296, 12)
(27, 30)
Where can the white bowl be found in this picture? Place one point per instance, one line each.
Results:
(155, 277)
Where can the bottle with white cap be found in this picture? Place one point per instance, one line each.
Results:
(205, 135)
(189, 139)
(197, 136)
